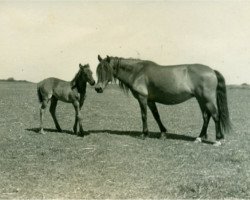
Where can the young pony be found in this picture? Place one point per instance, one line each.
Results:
(150, 83)
(54, 89)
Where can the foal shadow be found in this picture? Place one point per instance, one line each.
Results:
(137, 134)
(50, 130)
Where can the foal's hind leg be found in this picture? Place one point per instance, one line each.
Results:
(53, 112)
(156, 115)
(42, 112)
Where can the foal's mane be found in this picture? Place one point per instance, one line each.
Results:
(74, 80)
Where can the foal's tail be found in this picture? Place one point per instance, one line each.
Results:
(39, 94)
(222, 104)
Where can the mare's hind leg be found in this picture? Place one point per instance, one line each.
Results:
(42, 112)
(156, 115)
(211, 106)
(215, 115)
(53, 112)
(206, 118)
(78, 118)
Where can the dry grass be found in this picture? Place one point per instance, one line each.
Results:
(111, 161)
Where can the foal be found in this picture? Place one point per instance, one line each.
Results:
(73, 92)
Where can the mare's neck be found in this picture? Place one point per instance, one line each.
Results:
(124, 71)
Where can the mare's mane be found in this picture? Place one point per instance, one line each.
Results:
(125, 63)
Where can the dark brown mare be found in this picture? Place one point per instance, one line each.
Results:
(73, 92)
(150, 83)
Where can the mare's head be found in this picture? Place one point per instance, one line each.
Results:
(104, 73)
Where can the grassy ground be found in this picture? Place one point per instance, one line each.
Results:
(111, 161)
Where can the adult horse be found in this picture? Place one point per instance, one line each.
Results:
(151, 83)
(73, 92)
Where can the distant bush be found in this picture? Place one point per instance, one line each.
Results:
(244, 84)
(10, 79)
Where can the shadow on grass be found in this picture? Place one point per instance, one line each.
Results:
(36, 130)
(137, 134)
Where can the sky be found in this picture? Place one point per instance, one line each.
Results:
(40, 39)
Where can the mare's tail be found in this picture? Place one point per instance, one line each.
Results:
(225, 124)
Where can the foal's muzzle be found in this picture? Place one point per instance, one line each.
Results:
(92, 83)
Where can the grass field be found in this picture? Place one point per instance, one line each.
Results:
(112, 161)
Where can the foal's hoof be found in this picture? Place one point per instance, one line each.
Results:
(143, 136)
(163, 136)
(198, 140)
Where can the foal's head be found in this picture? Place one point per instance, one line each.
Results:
(86, 74)
(104, 73)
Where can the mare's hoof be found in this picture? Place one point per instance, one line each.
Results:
(198, 140)
(81, 134)
(42, 132)
(217, 143)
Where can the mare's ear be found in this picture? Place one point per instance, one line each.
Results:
(80, 65)
(108, 59)
(99, 58)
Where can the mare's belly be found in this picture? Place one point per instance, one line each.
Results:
(170, 96)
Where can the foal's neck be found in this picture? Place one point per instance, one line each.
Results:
(81, 87)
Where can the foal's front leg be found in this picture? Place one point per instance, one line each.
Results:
(42, 112)
(78, 118)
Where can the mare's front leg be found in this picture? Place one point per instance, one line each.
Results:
(78, 118)
(143, 105)
(156, 115)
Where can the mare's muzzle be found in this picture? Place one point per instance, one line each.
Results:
(98, 89)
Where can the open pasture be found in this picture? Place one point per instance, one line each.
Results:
(112, 161)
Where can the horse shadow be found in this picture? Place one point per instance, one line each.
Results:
(154, 135)
(51, 130)
(135, 134)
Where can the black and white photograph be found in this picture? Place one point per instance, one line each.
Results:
(125, 99)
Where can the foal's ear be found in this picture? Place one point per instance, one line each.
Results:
(80, 65)
(99, 58)
(108, 59)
